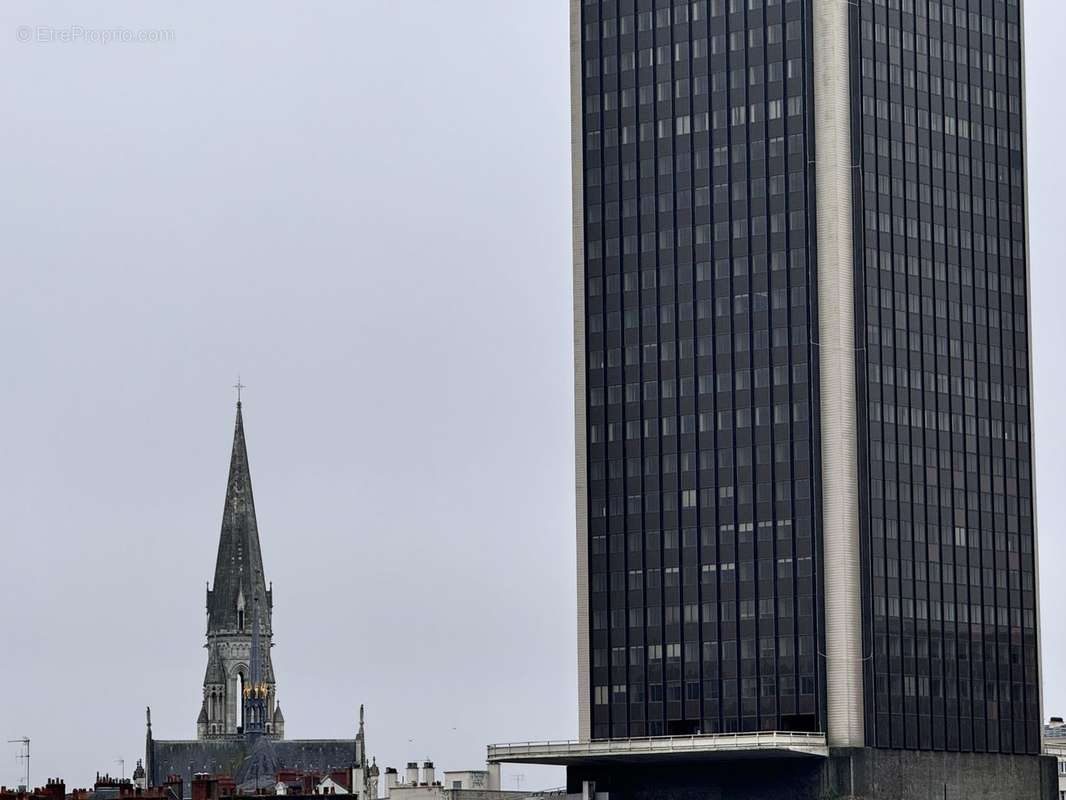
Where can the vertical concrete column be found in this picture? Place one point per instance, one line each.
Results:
(836, 336)
(584, 690)
(1032, 372)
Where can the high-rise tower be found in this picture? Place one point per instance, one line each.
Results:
(804, 463)
(239, 688)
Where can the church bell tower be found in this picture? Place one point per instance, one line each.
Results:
(240, 695)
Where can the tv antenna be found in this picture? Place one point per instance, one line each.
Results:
(24, 756)
(122, 766)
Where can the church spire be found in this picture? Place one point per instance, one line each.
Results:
(149, 747)
(239, 687)
(360, 740)
(239, 580)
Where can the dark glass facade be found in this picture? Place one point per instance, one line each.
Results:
(701, 408)
(701, 435)
(946, 490)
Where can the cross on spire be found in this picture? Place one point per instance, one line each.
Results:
(238, 386)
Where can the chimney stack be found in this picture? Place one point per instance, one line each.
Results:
(427, 773)
(412, 773)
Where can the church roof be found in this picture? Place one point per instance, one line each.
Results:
(250, 762)
(278, 716)
(239, 566)
(203, 713)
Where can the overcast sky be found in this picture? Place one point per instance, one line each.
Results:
(362, 208)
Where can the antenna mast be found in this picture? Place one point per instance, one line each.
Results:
(24, 756)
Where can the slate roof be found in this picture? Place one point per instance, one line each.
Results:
(247, 760)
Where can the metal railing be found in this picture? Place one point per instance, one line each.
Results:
(755, 740)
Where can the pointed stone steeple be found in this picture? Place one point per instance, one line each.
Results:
(239, 611)
(239, 579)
(360, 740)
(216, 672)
(149, 747)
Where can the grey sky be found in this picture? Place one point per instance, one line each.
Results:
(317, 196)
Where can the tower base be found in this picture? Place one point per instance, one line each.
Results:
(848, 774)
